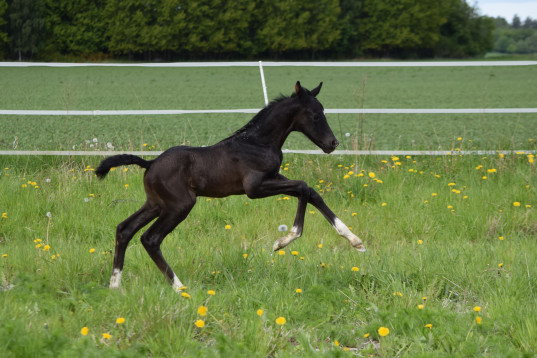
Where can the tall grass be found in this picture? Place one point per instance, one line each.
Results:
(444, 235)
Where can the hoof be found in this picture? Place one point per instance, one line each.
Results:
(277, 246)
(360, 247)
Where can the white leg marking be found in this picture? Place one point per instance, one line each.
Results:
(115, 280)
(176, 284)
(287, 239)
(344, 231)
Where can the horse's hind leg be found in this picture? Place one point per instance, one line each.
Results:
(124, 233)
(152, 238)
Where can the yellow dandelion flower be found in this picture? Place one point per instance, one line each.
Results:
(84, 331)
(434, 194)
(38, 246)
(346, 176)
(424, 298)
(259, 312)
(371, 175)
(477, 309)
(120, 320)
(478, 319)
(336, 343)
(92, 251)
(420, 307)
(107, 335)
(281, 252)
(429, 325)
(320, 246)
(366, 335)
(281, 321)
(420, 242)
(294, 253)
(355, 269)
(211, 292)
(227, 227)
(202, 310)
(200, 323)
(4, 256)
(516, 204)
(501, 238)
(245, 255)
(185, 295)
(46, 248)
(4, 215)
(298, 290)
(500, 265)
(451, 184)
(383, 331)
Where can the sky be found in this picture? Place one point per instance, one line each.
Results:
(507, 8)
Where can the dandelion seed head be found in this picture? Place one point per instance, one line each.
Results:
(282, 228)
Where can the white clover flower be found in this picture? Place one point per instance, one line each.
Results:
(282, 228)
(49, 214)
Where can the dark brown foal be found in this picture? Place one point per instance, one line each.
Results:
(248, 163)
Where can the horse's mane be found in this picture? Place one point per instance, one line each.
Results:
(261, 115)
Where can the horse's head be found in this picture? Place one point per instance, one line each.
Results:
(311, 120)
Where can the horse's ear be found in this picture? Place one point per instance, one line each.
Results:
(298, 88)
(314, 92)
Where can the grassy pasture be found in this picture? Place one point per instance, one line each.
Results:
(446, 236)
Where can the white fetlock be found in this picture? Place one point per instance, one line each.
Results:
(115, 280)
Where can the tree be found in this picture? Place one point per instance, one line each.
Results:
(26, 23)
(516, 22)
(3, 31)
(76, 27)
(400, 27)
(465, 33)
(294, 25)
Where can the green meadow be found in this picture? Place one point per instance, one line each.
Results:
(451, 240)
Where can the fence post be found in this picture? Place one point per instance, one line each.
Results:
(263, 82)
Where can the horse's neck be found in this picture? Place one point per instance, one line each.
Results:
(274, 130)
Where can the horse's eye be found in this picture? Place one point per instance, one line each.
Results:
(316, 118)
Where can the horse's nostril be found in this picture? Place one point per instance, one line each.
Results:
(335, 143)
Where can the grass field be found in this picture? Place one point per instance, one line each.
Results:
(228, 88)
(450, 267)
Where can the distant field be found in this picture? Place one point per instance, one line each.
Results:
(240, 87)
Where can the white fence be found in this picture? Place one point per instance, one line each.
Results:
(270, 64)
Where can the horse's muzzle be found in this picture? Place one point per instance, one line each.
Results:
(331, 147)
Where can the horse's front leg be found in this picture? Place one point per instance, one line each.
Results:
(342, 229)
(282, 185)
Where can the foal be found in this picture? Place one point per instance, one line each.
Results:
(248, 162)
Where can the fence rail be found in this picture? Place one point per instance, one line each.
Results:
(75, 153)
(279, 64)
(151, 112)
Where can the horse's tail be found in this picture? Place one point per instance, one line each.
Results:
(121, 159)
